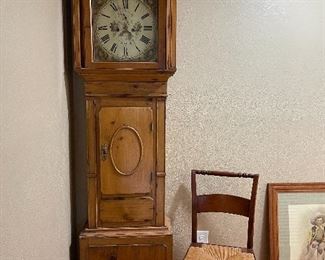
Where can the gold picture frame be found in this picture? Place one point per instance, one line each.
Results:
(294, 210)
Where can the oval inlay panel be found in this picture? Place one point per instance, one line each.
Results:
(126, 150)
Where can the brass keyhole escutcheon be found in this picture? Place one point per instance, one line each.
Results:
(104, 152)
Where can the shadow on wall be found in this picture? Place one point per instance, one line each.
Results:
(181, 200)
(76, 110)
(264, 250)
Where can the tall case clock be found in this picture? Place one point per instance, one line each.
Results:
(124, 54)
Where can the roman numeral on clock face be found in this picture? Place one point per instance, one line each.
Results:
(113, 5)
(126, 51)
(147, 28)
(145, 16)
(145, 39)
(105, 38)
(126, 4)
(105, 15)
(114, 47)
(136, 7)
(103, 28)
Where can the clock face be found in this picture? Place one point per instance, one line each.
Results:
(125, 30)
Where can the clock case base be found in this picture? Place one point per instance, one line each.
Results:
(125, 244)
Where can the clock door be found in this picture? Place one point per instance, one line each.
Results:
(126, 181)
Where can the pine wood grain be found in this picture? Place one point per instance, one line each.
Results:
(132, 244)
(127, 210)
(125, 102)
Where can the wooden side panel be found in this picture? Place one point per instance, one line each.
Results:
(91, 161)
(160, 162)
(127, 210)
(76, 34)
(171, 34)
(83, 245)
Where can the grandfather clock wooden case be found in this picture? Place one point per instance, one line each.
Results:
(124, 54)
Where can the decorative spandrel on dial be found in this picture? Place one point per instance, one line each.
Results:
(125, 30)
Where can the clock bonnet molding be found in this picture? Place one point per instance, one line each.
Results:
(131, 70)
(123, 55)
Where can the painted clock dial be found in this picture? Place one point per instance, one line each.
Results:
(125, 30)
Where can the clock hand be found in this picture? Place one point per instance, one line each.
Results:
(135, 45)
(124, 17)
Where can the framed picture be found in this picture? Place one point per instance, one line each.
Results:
(297, 221)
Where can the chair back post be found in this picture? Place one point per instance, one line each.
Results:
(194, 206)
(251, 217)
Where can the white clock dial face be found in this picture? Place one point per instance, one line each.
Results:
(125, 30)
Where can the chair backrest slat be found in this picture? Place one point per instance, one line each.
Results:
(224, 202)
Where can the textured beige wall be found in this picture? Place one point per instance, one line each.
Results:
(248, 96)
(34, 172)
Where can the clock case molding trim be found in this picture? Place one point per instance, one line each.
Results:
(131, 71)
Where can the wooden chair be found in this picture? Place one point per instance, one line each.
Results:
(223, 203)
